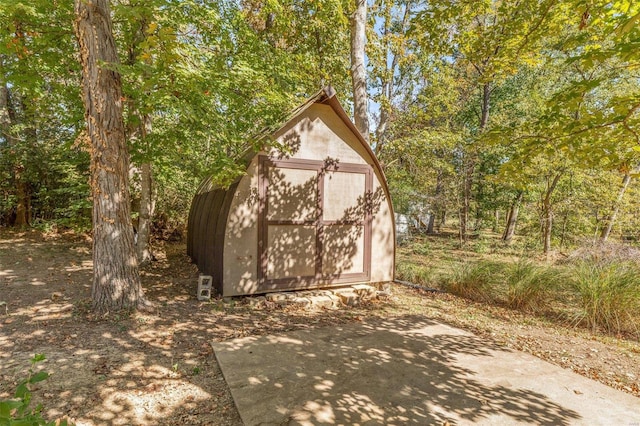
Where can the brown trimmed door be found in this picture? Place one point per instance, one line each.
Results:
(314, 223)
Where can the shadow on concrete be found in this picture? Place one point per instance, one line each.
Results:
(395, 371)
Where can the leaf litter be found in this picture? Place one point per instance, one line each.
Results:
(159, 369)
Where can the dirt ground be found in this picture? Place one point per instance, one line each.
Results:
(159, 368)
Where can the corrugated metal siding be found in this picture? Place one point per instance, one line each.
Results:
(206, 229)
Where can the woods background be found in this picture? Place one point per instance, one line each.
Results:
(515, 117)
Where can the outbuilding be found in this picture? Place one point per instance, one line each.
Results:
(312, 212)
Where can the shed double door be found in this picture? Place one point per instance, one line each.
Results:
(314, 223)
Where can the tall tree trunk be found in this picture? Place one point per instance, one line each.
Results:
(358, 71)
(443, 218)
(23, 192)
(116, 280)
(546, 231)
(547, 213)
(146, 213)
(563, 232)
(438, 203)
(7, 120)
(486, 105)
(22, 197)
(470, 164)
(496, 221)
(512, 218)
(388, 77)
(431, 223)
(381, 129)
(461, 235)
(137, 132)
(606, 231)
(147, 203)
(467, 181)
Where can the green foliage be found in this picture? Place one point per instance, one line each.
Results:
(598, 286)
(481, 245)
(529, 286)
(523, 285)
(561, 81)
(39, 164)
(415, 273)
(472, 280)
(608, 293)
(17, 412)
(422, 249)
(200, 79)
(489, 34)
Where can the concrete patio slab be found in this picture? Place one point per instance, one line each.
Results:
(407, 370)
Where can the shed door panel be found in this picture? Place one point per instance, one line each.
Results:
(342, 250)
(291, 233)
(315, 227)
(292, 194)
(343, 219)
(291, 251)
(343, 196)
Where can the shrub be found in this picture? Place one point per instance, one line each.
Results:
(16, 411)
(417, 274)
(528, 285)
(422, 249)
(609, 294)
(482, 245)
(473, 281)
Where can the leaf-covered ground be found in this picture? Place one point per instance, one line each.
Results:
(158, 368)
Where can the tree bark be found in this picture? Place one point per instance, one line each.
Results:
(486, 105)
(146, 213)
(431, 223)
(479, 221)
(547, 213)
(512, 218)
(137, 133)
(606, 231)
(496, 221)
(7, 120)
(23, 206)
(387, 78)
(438, 204)
(563, 232)
(116, 280)
(23, 192)
(147, 204)
(358, 71)
(470, 164)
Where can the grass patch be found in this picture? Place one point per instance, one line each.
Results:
(422, 248)
(529, 286)
(608, 294)
(596, 291)
(414, 273)
(472, 280)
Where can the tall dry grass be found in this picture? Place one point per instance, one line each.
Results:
(608, 294)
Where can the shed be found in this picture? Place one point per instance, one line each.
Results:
(313, 213)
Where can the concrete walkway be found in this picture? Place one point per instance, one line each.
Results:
(407, 371)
